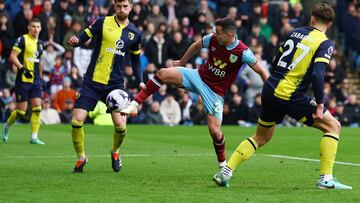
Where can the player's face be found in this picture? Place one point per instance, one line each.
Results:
(34, 29)
(122, 9)
(222, 37)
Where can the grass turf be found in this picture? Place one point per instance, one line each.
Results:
(170, 164)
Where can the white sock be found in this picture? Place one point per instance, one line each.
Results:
(34, 136)
(325, 177)
(222, 164)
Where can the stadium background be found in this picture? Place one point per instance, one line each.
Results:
(169, 27)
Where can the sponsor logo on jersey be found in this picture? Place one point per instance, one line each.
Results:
(119, 44)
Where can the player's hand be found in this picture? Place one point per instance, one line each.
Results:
(142, 85)
(319, 114)
(25, 72)
(73, 41)
(178, 63)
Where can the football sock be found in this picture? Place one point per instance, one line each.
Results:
(119, 136)
(78, 138)
(151, 86)
(35, 121)
(219, 146)
(324, 177)
(242, 153)
(14, 116)
(328, 148)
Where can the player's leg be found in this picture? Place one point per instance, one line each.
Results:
(77, 132)
(119, 136)
(328, 148)
(214, 125)
(35, 120)
(243, 152)
(15, 115)
(164, 76)
(22, 96)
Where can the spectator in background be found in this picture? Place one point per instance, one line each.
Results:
(200, 24)
(344, 91)
(149, 32)
(3, 10)
(186, 29)
(185, 104)
(232, 13)
(62, 10)
(75, 29)
(352, 109)
(255, 110)
(271, 48)
(170, 111)
(197, 114)
(149, 72)
(66, 94)
(99, 115)
(228, 119)
(297, 16)
(93, 15)
(265, 28)
(156, 17)
(160, 95)
(204, 8)
(136, 16)
(255, 33)
(331, 105)
(241, 32)
(153, 115)
(5, 100)
(80, 15)
(6, 35)
(57, 76)
(82, 57)
(22, 19)
(170, 10)
(239, 110)
(11, 76)
(44, 17)
(76, 79)
(339, 115)
(201, 59)
(177, 46)
(52, 50)
(157, 49)
(48, 115)
(334, 74)
(66, 114)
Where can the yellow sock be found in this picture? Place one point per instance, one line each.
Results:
(119, 136)
(14, 116)
(78, 138)
(242, 153)
(35, 119)
(328, 148)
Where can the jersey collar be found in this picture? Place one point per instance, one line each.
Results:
(234, 44)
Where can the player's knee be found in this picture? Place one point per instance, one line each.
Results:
(337, 126)
(215, 132)
(120, 129)
(261, 139)
(162, 74)
(333, 126)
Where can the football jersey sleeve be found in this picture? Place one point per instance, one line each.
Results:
(206, 40)
(19, 44)
(135, 48)
(249, 58)
(94, 28)
(324, 52)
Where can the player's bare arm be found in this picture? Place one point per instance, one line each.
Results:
(259, 69)
(14, 59)
(192, 50)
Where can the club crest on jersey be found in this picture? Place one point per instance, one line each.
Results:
(213, 49)
(131, 35)
(233, 58)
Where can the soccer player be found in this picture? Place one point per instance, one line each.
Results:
(115, 37)
(227, 54)
(302, 59)
(26, 56)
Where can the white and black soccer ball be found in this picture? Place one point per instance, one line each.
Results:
(117, 100)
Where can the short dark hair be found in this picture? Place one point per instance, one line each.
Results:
(34, 20)
(323, 12)
(228, 24)
(130, 1)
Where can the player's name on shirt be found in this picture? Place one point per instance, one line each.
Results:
(299, 35)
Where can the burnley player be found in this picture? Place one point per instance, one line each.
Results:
(227, 54)
(301, 60)
(115, 37)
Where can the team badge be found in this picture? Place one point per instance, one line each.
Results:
(233, 58)
(213, 49)
(131, 35)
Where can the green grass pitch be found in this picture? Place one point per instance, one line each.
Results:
(170, 164)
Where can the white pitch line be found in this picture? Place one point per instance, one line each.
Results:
(307, 159)
(170, 155)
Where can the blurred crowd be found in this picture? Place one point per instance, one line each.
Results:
(168, 28)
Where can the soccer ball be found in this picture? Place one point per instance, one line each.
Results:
(117, 100)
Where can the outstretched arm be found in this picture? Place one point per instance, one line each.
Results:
(259, 69)
(192, 50)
